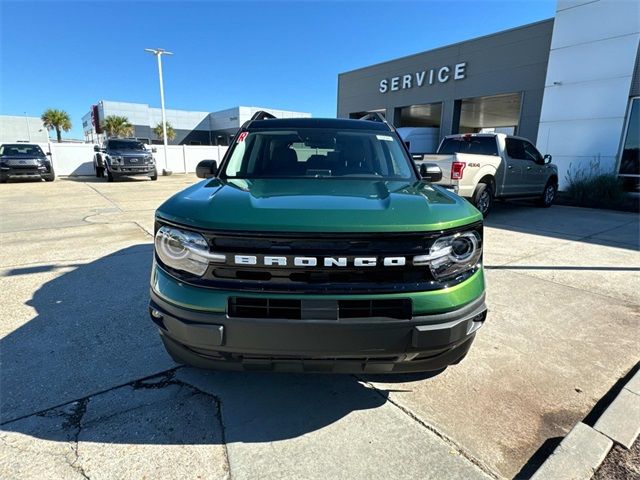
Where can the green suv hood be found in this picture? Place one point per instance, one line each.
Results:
(317, 205)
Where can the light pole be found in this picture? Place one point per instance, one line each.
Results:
(28, 127)
(158, 52)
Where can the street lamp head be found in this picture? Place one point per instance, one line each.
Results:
(158, 51)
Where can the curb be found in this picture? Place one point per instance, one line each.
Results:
(584, 448)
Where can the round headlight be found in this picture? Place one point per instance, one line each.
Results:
(454, 254)
(182, 250)
(464, 246)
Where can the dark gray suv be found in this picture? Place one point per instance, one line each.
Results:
(25, 160)
(123, 157)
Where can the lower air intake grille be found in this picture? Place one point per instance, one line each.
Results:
(244, 307)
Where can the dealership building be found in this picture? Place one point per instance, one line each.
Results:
(190, 127)
(571, 84)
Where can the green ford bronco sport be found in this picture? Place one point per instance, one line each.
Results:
(317, 246)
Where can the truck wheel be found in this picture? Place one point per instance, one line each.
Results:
(154, 176)
(483, 198)
(548, 195)
(109, 175)
(51, 177)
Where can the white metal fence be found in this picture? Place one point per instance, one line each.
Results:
(76, 159)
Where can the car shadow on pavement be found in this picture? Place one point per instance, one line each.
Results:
(90, 365)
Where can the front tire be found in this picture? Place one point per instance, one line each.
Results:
(110, 177)
(483, 198)
(50, 177)
(548, 195)
(154, 176)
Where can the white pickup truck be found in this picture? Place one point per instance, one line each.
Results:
(484, 166)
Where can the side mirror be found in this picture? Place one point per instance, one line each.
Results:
(430, 172)
(96, 148)
(207, 169)
(154, 150)
(48, 153)
(547, 158)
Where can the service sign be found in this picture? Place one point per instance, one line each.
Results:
(428, 76)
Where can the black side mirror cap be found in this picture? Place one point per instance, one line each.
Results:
(48, 153)
(154, 150)
(207, 169)
(430, 172)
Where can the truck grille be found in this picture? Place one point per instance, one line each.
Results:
(241, 307)
(320, 279)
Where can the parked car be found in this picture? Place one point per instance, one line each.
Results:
(123, 157)
(484, 166)
(25, 160)
(317, 246)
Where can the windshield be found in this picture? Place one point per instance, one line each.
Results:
(126, 145)
(469, 144)
(318, 153)
(21, 150)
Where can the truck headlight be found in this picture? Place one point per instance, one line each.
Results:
(115, 160)
(183, 250)
(452, 255)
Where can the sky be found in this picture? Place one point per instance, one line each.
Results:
(279, 54)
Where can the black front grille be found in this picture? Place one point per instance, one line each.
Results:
(319, 278)
(349, 278)
(134, 161)
(272, 308)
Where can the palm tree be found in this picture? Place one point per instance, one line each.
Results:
(117, 126)
(171, 134)
(56, 119)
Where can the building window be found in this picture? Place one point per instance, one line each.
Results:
(630, 155)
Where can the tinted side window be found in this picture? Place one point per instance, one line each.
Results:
(531, 152)
(515, 148)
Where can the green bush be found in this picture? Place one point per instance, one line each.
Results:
(593, 187)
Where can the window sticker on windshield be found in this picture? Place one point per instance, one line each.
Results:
(386, 138)
(242, 136)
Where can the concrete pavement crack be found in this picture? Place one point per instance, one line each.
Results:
(44, 411)
(459, 449)
(103, 196)
(168, 378)
(73, 420)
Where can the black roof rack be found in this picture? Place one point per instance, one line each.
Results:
(259, 115)
(374, 117)
(262, 115)
(377, 117)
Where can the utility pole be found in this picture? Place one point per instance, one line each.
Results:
(158, 52)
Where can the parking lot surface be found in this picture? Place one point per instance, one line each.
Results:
(87, 390)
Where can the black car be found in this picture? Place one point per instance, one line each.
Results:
(123, 157)
(25, 160)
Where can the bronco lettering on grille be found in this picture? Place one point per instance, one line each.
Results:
(291, 261)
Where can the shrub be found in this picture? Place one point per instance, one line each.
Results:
(592, 187)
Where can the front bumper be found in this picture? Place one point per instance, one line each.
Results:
(133, 170)
(426, 342)
(16, 172)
